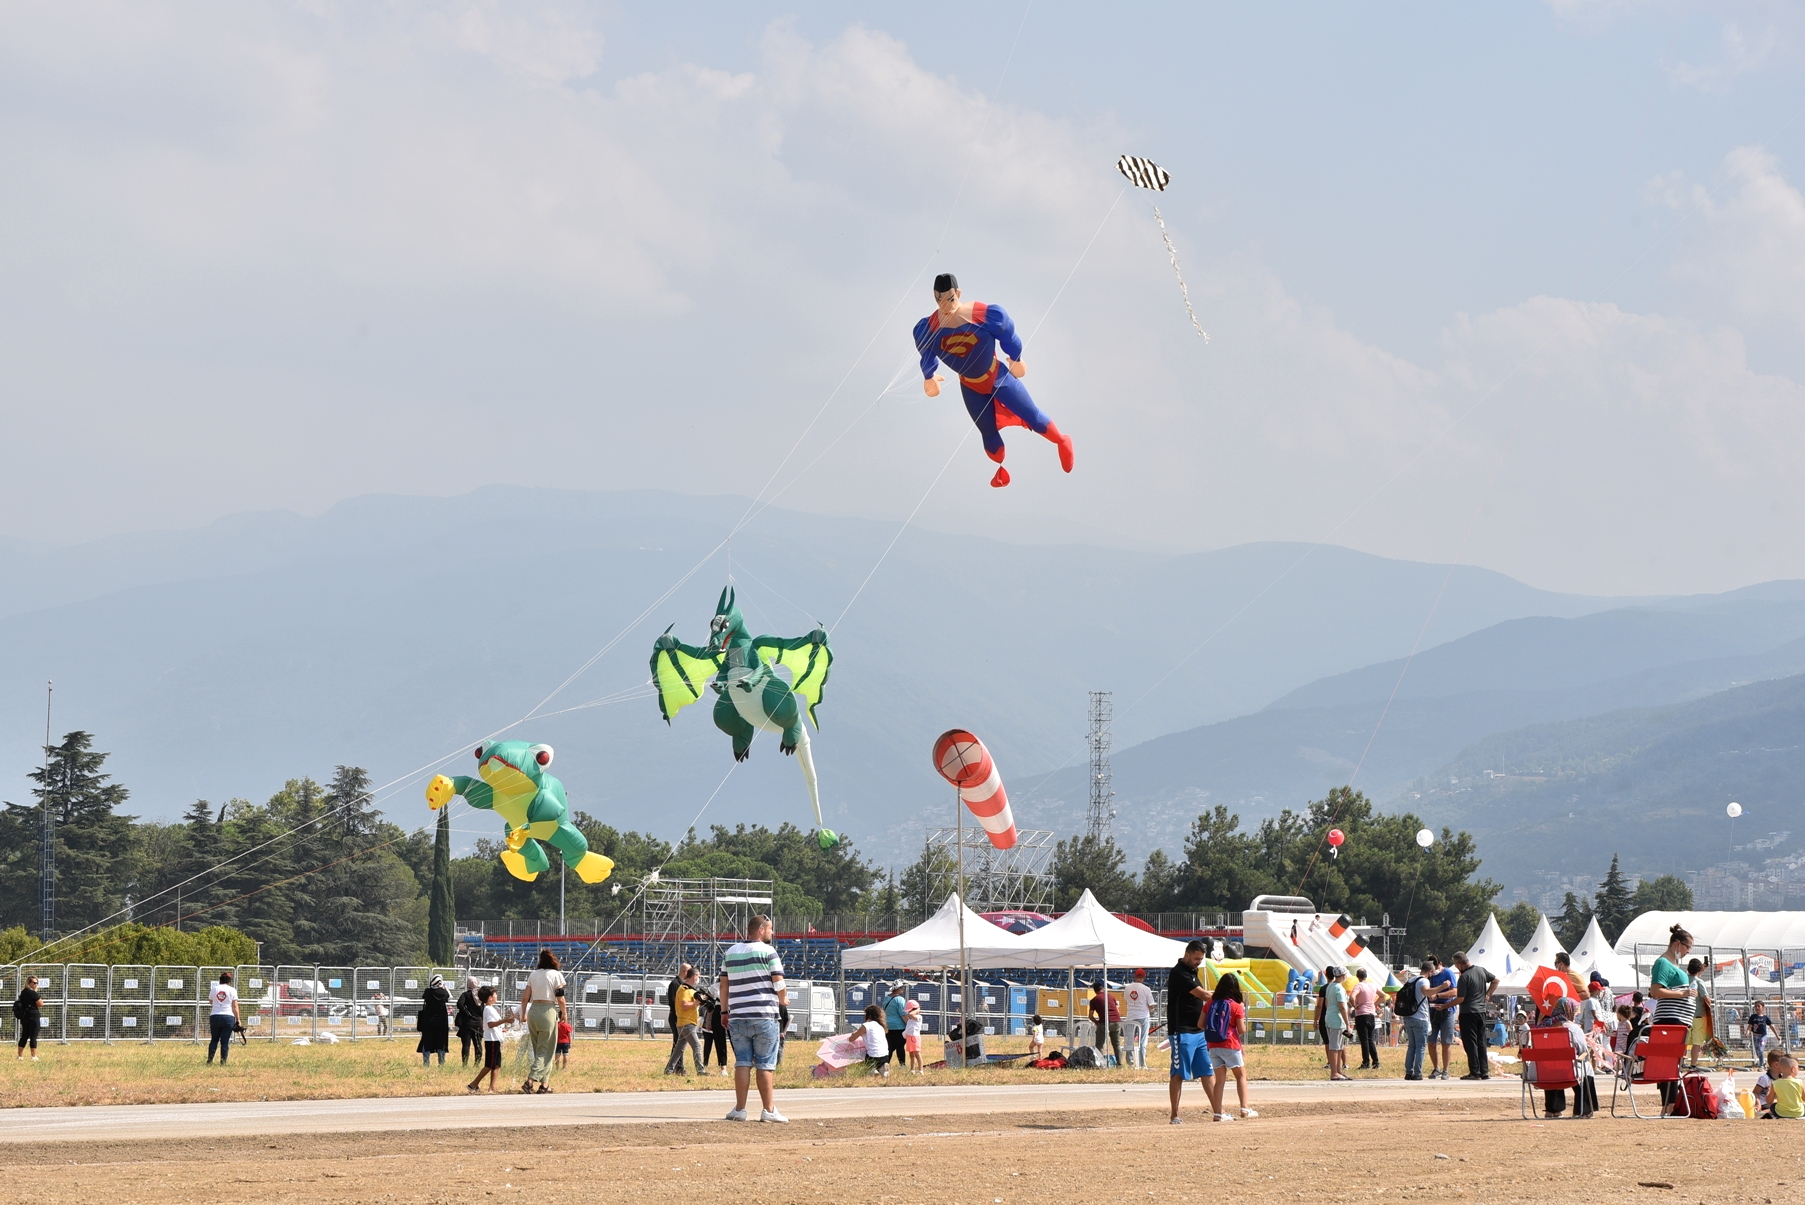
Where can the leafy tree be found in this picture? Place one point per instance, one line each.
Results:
(1668, 893)
(1614, 904)
(1519, 922)
(1096, 864)
(1161, 880)
(1574, 918)
(441, 925)
(1222, 870)
(918, 882)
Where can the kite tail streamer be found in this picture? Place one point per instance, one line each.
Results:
(1173, 252)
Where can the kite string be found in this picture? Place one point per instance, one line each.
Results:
(1183, 291)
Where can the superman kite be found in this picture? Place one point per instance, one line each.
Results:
(965, 336)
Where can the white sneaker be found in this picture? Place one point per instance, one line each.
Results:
(772, 1115)
(1250, 1113)
(1225, 1117)
(737, 1115)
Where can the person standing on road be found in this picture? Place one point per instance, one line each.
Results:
(1225, 1029)
(1106, 1016)
(1441, 1016)
(1138, 998)
(1366, 1020)
(223, 1020)
(542, 1000)
(1412, 1009)
(470, 1020)
(1185, 999)
(28, 1011)
(435, 1021)
(1333, 1021)
(895, 1019)
(751, 993)
(685, 1020)
(1471, 992)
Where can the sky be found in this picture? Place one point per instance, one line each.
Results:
(1520, 285)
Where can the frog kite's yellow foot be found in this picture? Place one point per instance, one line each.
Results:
(593, 867)
(517, 837)
(516, 864)
(439, 792)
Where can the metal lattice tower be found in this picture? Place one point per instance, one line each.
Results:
(996, 880)
(694, 911)
(1098, 817)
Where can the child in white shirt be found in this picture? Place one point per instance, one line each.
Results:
(877, 1044)
(912, 1035)
(1037, 1037)
(493, 1020)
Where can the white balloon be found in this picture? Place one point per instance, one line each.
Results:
(1425, 838)
(1735, 810)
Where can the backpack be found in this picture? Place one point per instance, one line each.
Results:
(1218, 1021)
(1701, 1098)
(1410, 999)
(1084, 1058)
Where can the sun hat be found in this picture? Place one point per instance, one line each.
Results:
(913, 1006)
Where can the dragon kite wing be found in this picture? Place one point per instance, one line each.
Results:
(681, 673)
(807, 658)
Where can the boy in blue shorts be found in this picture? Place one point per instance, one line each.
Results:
(1185, 1001)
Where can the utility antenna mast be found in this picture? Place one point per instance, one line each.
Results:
(1097, 820)
(47, 857)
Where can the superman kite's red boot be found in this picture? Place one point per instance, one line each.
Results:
(1001, 478)
(1064, 443)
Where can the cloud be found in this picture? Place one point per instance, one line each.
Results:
(1747, 249)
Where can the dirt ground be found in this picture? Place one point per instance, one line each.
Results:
(1461, 1152)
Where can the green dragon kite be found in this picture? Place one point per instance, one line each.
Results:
(750, 694)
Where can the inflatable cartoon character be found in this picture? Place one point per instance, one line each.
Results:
(531, 802)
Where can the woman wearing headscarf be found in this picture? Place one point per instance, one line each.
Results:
(1565, 1015)
(435, 1021)
(470, 1020)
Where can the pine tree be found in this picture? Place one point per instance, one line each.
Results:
(1614, 905)
(441, 923)
(94, 845)
(1571, 924)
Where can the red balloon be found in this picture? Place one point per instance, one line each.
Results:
(1335, 837)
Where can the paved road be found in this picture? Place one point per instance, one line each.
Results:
(149, 1122)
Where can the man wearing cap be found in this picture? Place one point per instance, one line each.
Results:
(965, 335)
(1137, 998)
(1106, 1014)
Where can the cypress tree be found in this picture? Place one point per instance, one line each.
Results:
(1615, 904)
(441, 912)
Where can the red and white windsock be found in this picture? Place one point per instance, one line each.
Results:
(963, 761)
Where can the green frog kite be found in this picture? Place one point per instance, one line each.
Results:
(750, 694)
(516, 787)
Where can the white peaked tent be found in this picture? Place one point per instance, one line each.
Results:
(1493, 952)
(1594, 953)
(1089, 936)
(1540, 952)
(935, 944)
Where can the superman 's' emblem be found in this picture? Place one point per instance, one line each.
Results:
(958, 344)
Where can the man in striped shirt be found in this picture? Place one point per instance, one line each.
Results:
(751, 993)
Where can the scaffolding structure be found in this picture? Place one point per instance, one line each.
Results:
(996, 880)
(1100, 813)
(680, 913)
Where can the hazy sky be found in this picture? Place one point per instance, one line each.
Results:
(1521, 284)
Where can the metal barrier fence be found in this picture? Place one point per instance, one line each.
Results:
(1736, 979)
(282, 1003)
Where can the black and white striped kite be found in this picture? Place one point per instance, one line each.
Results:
(1145, 173)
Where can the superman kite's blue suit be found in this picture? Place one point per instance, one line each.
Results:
(993, 398)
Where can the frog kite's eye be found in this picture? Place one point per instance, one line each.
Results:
(541, 754)
(479, 753)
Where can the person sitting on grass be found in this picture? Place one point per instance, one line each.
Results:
(1785, 1095)
(493, 1020)
(1765, 1080)
(877, 1043)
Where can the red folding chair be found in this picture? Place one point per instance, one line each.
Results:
(1655, 1060)
(1548, 1066)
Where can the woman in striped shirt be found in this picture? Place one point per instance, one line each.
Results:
(1671, 990)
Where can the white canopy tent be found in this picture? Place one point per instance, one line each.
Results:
(1594, 953)
(1493, 952)
(1543, 946)
(1089, 936)
(936, 944)
(1752, 931)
